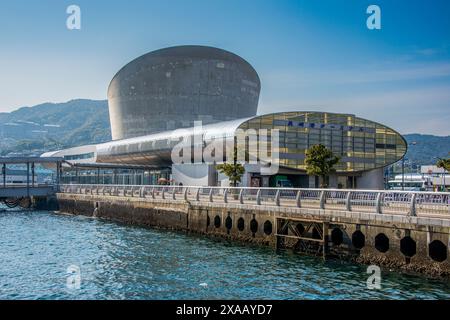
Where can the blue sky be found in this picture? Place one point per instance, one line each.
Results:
(310, 55)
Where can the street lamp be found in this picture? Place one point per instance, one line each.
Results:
(444, 174)
(403, 174)
(413, 143)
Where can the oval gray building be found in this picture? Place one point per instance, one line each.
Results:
(171, 88)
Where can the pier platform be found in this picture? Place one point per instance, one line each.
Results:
(409, 231)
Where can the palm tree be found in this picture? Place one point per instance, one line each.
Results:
(443, 164)
(234, 171)
(320, 161)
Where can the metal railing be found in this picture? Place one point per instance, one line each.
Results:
(390, 202)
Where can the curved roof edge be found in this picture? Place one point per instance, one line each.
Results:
(210, 131)
(171, 52)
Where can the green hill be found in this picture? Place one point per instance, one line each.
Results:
(423, 149)
(53, 126)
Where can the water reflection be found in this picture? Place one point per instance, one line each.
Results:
(123, 262)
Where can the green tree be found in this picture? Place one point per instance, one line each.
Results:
(234, 171)
(320, 161)
(444, 164)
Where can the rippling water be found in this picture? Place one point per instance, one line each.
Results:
(123, 262)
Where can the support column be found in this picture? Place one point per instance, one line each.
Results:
(58, 175)
(4, 175)
(32, 174)
(325, 240)
(28, 179)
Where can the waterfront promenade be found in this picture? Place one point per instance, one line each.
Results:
(405, 230)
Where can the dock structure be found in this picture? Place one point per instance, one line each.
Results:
(404, 230)
(28, 191)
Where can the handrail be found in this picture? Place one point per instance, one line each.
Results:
(374, 201)
(262, 188)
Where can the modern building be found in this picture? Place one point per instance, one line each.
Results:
(171, 88)
(155, 100)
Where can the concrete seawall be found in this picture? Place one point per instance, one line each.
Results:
(412, 244)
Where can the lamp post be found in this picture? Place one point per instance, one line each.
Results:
(413, 143)
(444, 187)
(403, 174)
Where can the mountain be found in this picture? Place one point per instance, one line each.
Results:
(423, 149)
(53, 126)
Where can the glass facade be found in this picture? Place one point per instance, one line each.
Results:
(361, 144)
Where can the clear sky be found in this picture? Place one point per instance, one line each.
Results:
(310, 55)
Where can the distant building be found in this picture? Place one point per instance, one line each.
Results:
(171, 88)
(430, 178)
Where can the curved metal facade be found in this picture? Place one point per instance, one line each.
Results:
(363, 145)
(171, 88)
(155, 149)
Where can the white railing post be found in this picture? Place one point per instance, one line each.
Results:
(185, 194)
(241, 196)
(153, 193)
(378, 204)
(322, 199)
(197, 195)
(211, 195)
(277, 198)
(348, 201)
(412, 209)
(258, 197)
(225, 195)
(173, 194)
(298, 199)
(163, 193)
